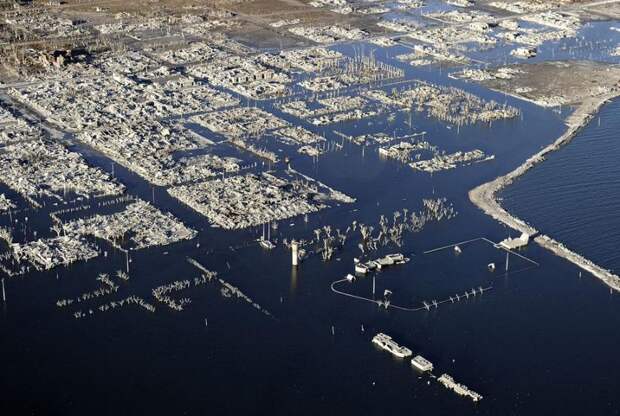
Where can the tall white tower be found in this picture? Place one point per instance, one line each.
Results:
(294, 252)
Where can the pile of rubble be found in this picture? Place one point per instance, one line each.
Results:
(206, 28)
(461, 3)
(245, 75)
(459, 16)
(240, 122)
(45, 24)
(448, 104)
(312, 59)
(249, 200)
(125, 24)
(284, 22)
(328, 3)
(6, 116)
(360, 70)
(425, 55)
(192, 53)
(398, 25)
(535, 37)
(379, 138)
(383, 41)
(146, 147)
(403, 151)
(48, 253)
(116, 100)
(445, 36)
(196, 168)
(410, 4)
(423, 156)
(144, 225)
(298, 135)
(556, 20)
(332, 110)
(522, 7)
(5, 203)
(504, 72)
(37, 166)
(328, 34)
(443, 162)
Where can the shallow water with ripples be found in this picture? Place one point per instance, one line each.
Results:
(574, 195)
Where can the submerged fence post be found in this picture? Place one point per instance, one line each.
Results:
(373, 286)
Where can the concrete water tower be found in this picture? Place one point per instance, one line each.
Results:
(294, 252)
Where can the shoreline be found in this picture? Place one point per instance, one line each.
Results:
(484, 196)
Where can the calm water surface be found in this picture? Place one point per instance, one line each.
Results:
(573, 195)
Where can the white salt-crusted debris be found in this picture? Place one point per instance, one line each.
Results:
(48, 253)
(140, 222)
(248, 200)
(37, 166)
(5, 203)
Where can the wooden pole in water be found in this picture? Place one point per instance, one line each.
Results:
(507, 256)
(3, 291)
(373, 286)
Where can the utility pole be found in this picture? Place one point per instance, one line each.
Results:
(373, 286)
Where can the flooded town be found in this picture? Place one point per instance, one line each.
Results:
(184, 181)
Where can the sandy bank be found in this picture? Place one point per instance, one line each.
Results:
(484, 196)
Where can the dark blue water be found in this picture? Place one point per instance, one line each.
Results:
(573, 195)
